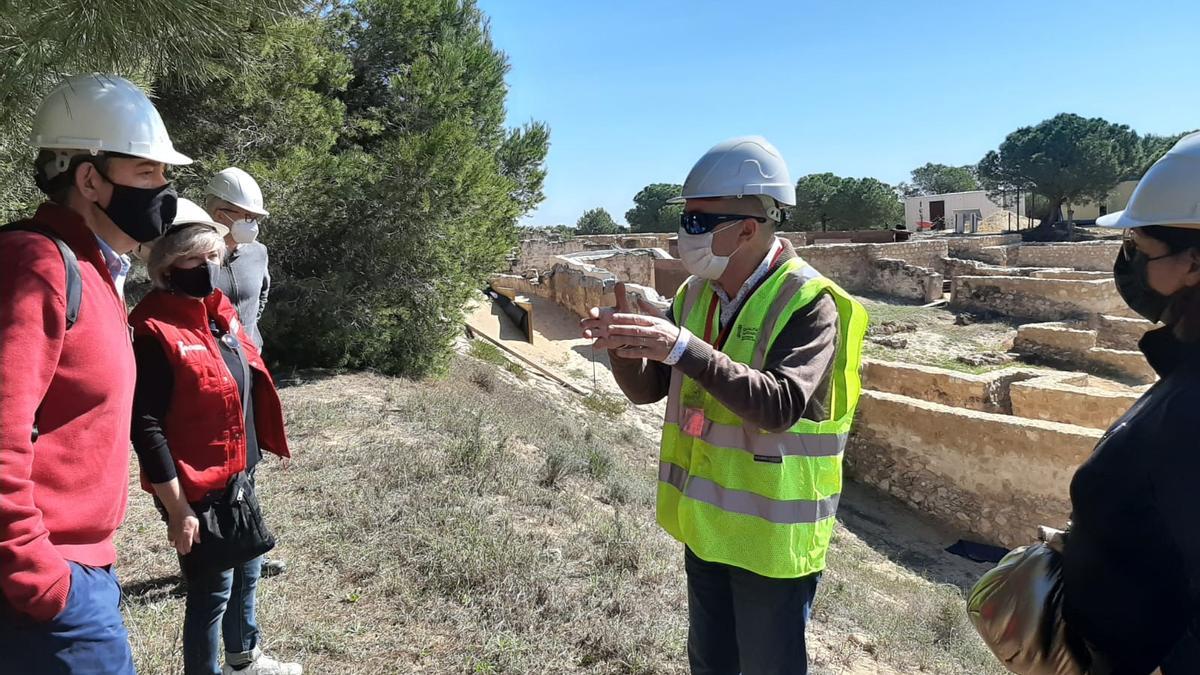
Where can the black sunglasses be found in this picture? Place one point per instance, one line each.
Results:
(1129, 249)
(703, 223)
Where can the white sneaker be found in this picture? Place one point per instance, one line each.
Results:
(265, 665)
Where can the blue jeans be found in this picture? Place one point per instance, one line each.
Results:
(741, 622)
(87, 638)
(220, 601)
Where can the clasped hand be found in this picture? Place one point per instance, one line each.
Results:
(630, 334)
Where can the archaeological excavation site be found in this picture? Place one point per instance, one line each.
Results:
(992, 365)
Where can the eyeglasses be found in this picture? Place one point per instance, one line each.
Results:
(703, 223)
(1129, 249)
(233, 214)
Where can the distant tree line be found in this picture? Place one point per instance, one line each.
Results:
(1065, 160)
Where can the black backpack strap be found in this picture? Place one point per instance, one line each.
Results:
(70, 262)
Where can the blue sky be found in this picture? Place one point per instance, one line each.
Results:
(635, 92)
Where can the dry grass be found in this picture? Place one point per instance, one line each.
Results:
(905, 621)
(479, 524)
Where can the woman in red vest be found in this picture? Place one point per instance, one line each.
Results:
(193, 435)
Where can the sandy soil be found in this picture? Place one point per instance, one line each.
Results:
(557, 344)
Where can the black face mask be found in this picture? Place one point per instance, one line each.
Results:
(142, 213)
(1133, 283)
(197, 282)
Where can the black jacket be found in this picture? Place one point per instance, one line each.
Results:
(1131, 572)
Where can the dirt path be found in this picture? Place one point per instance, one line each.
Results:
(557, 344)
(558, 347)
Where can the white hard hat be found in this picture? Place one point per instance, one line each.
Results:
(238, 188)
(188, 212)
(740, 167)
(1169, 193)
(103, 113)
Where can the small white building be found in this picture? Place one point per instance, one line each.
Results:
(959, 211)
(962, 211)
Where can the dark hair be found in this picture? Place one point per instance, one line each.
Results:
(57, 188)
(1177, 239)
(1185, 303)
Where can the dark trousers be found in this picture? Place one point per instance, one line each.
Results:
(220, 605)
(87, 638)
(741, 622)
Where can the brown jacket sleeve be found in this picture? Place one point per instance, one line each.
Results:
(794, 383)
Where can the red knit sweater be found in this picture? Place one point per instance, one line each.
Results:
(62, 497)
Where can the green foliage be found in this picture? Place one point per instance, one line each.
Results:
(605, 404)
(376, 130)
(937, 179)
(490, 353)
(521, 158)
(45, 40)
(814, 194)
(560, 463)
(1069, 159)
(651, 212)
(596, 221)
(600, 462)
(828, 202)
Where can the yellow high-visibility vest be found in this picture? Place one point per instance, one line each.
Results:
(734, 493)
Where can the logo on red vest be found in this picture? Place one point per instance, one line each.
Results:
(184, 350)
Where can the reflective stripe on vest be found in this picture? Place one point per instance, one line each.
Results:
(735, 493)
(784, 512)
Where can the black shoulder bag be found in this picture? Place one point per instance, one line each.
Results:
(232, 530)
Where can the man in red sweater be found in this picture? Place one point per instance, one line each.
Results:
(66, 384)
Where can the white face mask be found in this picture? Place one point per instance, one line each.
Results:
(695, 250)
(244, 231)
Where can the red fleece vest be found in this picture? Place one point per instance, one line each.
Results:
(204, 426)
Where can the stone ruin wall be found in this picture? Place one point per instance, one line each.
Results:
(541, 254)
(994, 476)
(634, 266)
(846, 264)
(969, 247)
(899, 279)
(1080, 347)
(989, 455)
(572, 287)
(1067, 398)
(927, 253)
(1037, 299)
(909, 270)
(1119, 332)
(1088, 256)
(1077, 275)
(669, 275)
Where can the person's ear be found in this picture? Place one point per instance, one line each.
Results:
(749, 230)
(88, 182)
(1192, 276)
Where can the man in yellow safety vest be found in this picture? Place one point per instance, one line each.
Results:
(759, 359)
